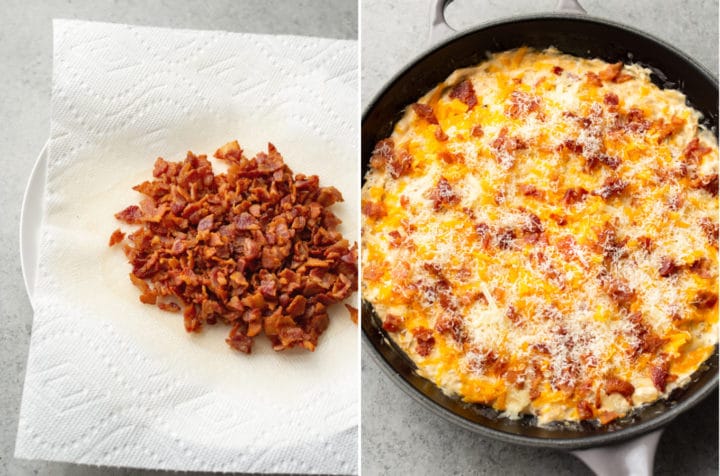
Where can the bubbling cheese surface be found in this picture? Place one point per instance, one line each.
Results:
(540, 236)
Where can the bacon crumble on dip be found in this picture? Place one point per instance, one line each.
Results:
(540, 235)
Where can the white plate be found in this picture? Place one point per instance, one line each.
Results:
(30, 220)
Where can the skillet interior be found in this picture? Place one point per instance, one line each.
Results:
(580, 36)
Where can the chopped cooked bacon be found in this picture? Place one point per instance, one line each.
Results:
(451, 158)
(711, 230)
(666, 130)
(425, 111)
(477, 131)
(383, 153)
(452, 324)
(440, 134)
(424, 341)
(522, 104)
(702, 267)
(465, 92)
(705, 299)
(505, 238)
(572, 146)
(443, 195)
(374, 210)
(659, 374)
(611, 99)
(353, 313)
(610, 161)
(647, 341)
(612, 187)
(694, 151)
(131, 214)
(116, 237)
(616, 385)
(593, 79)
(612, 72)
(585, 410)
(709, 184)
(508, 144)
(574, 195)
(254, 248)
(557, 70)
(530, 190)
(393, 323)
(634, 121)
(667, 267)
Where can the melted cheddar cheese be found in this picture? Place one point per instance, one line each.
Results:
(540, 236)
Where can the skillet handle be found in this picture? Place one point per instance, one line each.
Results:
(440, 29)
(633, 458)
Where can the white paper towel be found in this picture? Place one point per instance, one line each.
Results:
(111, 381)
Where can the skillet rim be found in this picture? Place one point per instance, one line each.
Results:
(634, 429)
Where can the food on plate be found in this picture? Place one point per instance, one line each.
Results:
(540, 235)
(256, 247)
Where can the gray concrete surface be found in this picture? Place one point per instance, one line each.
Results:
(398, 435)
(26, 65)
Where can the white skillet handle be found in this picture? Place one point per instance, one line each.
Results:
(633, 458)
(439, 28)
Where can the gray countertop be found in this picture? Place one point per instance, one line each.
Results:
(26, 61)
(398, 435)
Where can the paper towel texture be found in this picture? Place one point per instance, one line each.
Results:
(111, 381)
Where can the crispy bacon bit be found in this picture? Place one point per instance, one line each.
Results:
(557, 70)
(647, 340)
(593, 79)
(702, 267)
(440, 135)
(612, 72)
(612, 187)
(646, 243)
(443, 195)
(505, 238)
(451, 324)
(585, 410)
(659, 374)
(465, 92)
(425, 341)
(425, 111)
(694, 151)
(383, 153)
(708, 183)
(401, 164)
(572, 146)
(611, 99)
(131, 214)
(666, 130)
(374, 210)
(574, 195)
(616, 385)
(667, 267)
(450, 158)
(512, 315)
(530, 190)
(116, 237)
(561, 220)
(353, 313)
(620, 292)
(477, 131)
(634, 121)
(255, 248)
(506, 145)
(393, 323)
(522, 104)
(168, 306)
(711, 230)
(705, 299)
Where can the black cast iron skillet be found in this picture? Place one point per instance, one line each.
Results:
(579, 35)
